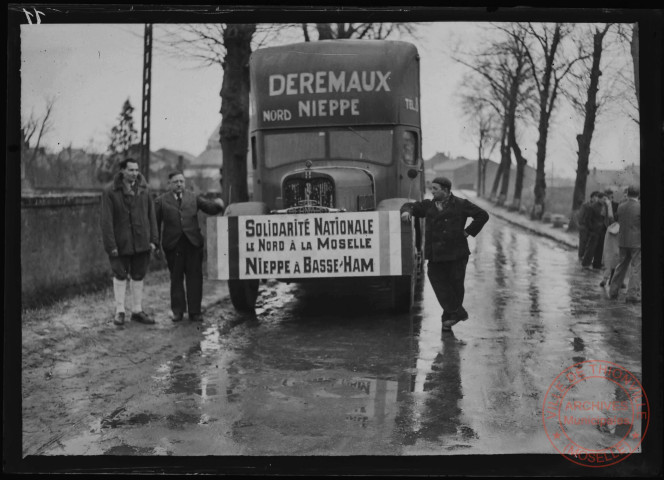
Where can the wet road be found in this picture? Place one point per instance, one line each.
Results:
(317, 374)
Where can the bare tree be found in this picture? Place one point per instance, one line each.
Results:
(590, 110)
(599, 84)
(30, 127)
(549, 65)
(485, 130)
(502, 68)
(629, 37)
(229, 46)
(634, 48)
(367, 31)
(521, 90)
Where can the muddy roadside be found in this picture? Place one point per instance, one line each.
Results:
(77, 365)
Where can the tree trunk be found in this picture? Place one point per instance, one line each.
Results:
(547, 100)
(520, 161)
(540, 174)
(234, 131)
(485, 162)
(634, 49)
(505, 185)
(479, 169)
(504, 160)
(496, 180)
(324, 31)
(520, 168)
(584, 139)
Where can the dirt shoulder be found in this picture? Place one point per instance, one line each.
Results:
(78, 366)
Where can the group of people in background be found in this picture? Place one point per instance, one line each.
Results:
(610, 239)
(134, 226)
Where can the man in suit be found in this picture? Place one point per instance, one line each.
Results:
(629, 243)
(182, 242)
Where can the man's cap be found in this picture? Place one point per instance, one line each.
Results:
(444, 182)
(608, 191)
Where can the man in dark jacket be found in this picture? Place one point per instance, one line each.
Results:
(629, 242)
(594, 223)
(446, 244)
(129, 233)
(182, 241)
(582, 215)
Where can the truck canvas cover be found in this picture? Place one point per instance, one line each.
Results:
(330, 83)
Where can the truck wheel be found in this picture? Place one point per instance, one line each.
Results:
(243, 294)
(403, 293)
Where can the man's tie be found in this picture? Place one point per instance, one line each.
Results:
(179, 197)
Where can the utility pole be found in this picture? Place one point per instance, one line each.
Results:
(145, 118)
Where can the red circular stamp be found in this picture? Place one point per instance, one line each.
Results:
(595, 413)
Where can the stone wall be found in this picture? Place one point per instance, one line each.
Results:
(61, 248)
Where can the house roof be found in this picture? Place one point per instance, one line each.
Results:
(167, 152)
(209, 158)
(451, 164)
(213, 139)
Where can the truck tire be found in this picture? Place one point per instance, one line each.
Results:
(403, 293)
(243, 294)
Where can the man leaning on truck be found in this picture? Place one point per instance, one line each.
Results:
(446, 244)
(182, 241)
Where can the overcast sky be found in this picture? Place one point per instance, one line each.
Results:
(92, 69)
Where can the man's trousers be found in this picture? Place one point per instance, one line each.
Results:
(447, 280)
(629, 257)
(185, 263)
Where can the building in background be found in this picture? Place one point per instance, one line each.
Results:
(203, 172)
(163, 162)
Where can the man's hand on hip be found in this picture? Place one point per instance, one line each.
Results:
(405, 217)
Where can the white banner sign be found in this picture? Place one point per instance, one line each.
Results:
(305, 245)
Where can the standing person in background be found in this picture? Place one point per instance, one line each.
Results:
(608, 194)
(594, 222)
(607, 219)
(583, 212)
(446, 244)
(629, 242)
(129, 233)
(182, 241)
(610, 250)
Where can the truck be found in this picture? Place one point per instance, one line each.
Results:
(335, 151)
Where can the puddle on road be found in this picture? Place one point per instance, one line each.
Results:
(190, 383)
(378, 397)
(131, 450)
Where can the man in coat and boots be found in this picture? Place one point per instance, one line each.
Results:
(629, 243)
(129, 233)
(446, 244)
(182, 241)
